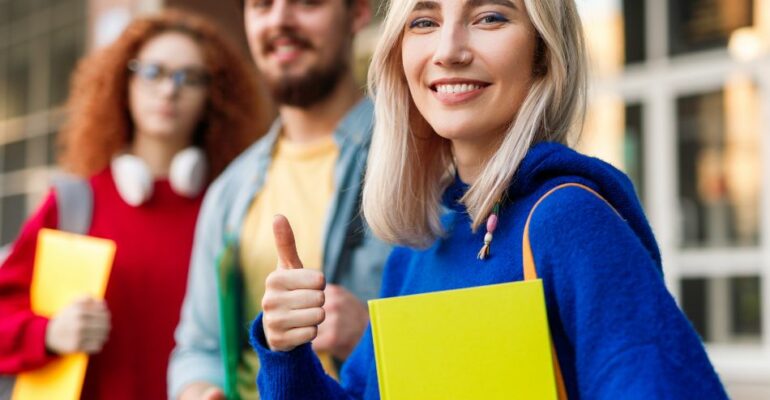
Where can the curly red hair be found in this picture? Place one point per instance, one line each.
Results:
(99, 123)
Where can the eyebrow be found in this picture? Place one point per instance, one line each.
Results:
(479, 3)
(426, 5)
(432, 5)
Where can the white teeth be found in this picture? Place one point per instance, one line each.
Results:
(285, 48)
(461, 88)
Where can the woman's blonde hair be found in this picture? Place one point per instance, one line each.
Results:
(410, 165)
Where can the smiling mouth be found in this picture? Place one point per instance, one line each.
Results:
(456, 92)
(286, 51)
(286, 46)
(457, 88)
(287, 43)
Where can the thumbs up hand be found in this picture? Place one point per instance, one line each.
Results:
(294, 297)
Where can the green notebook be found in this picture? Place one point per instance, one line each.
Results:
(230, 292)
(488, 342)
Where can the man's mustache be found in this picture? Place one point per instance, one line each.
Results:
(296, 39)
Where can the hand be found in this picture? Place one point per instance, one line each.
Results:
(202, 391)
(294, 296)
(346, 319)
(83, 326)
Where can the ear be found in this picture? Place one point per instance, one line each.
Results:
(362, 14)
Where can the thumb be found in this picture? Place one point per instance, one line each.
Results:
(284, 243)
(213, 393)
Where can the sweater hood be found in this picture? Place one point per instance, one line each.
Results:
(546, 162)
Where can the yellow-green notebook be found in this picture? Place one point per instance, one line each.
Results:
(67, 266)
(488, 342)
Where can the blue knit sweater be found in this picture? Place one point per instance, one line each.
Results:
(617, 331)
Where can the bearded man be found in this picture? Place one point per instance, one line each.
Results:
(308, 167)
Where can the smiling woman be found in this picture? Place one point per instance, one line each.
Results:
(475, 102)
(500, 47)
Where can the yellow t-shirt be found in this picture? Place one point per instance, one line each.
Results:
(299, 184)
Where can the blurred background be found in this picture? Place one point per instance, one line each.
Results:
(680, 100)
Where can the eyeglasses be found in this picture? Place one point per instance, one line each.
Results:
(154, 73)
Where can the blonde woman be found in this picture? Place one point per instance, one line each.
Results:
(474, 102)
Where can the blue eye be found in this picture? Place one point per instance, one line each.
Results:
(493, 18)
(421, 23)
(151, 71)
(148, 71)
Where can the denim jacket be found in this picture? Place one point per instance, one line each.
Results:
(352, 256)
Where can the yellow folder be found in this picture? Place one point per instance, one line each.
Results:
(67, 266)
(488, 342)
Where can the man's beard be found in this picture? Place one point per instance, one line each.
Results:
(308, 89)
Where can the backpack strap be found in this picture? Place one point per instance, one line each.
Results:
(530, 272)
(74, 202)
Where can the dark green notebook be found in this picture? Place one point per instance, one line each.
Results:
(230, 291)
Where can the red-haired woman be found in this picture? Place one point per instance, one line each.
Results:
(153, 119)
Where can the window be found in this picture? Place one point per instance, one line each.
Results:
(633, 146)
(20, 8)
(634, 40)
(24, 8)
(746, 303)
(694, 303)
(17, 81)
(719, 167)
(65, 51)
(51, 148)
(696, 25)
(38, 71)
(39, 151)
(5, 12)
(14, 211)
(614, 132)
(3, 80)
(724, 310)
(15, 156)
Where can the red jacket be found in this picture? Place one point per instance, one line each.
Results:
(144, 293)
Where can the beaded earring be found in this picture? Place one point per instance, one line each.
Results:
(491, 226)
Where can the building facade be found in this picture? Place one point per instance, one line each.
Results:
(40, 43)
(681, 101)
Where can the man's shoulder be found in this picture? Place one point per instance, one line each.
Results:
(242, 168)
(358, 123)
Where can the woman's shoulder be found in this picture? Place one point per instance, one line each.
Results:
(570, 203)
(570, 214)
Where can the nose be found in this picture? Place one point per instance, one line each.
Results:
(453, 49)
(169, 87)
(280, 14)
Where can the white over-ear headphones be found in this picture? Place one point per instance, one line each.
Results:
(187, 175)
